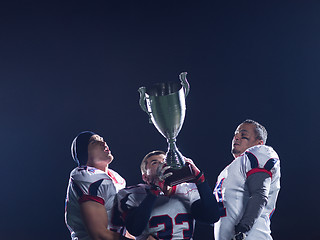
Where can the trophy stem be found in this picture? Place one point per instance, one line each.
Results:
(181, 172)
(174, 158)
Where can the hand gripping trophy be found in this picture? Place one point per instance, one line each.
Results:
(165, 104)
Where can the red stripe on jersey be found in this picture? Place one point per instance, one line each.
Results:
(173, 190)
(86, 198)
(252, 171)
(110, 174)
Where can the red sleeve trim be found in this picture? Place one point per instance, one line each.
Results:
(254, 170)
(86, 198)
(173, 190)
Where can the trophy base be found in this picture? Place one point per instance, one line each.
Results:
(180, 175)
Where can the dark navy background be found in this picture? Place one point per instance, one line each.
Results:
(68, 66)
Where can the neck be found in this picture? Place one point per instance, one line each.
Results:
(105, 169)
(99, 165)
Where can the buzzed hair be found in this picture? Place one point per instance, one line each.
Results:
(143, 165)
(261, 132)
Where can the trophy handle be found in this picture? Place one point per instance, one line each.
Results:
(142, 91)
(184, 83)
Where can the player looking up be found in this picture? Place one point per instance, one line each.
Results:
(91, 190)
(166, 212)
(248, 187)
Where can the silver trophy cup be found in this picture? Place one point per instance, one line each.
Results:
(166, 107)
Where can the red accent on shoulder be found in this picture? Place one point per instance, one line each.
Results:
(86, 198)
(254, 170)
(110, 174)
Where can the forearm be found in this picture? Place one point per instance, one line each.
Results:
(253, 210)
(137, 218)
(107, 235)
(258, 186)
(206, 209)
(95, 218)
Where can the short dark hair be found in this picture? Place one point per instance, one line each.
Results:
(261, 132)
(143, 165)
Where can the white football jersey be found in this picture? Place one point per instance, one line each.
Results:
(232, 194)
(171, 216)
(88, 183)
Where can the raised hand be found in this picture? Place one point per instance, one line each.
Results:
(158, 184)
(198, 174)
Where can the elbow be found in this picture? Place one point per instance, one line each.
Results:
(213, 217)
(134, 228)
(216, 218)
(214, 213)
(207, 213)
(134, 231)
(209, 217)
(261, 198)
(106, 234)
(135, 223)
(96, 236)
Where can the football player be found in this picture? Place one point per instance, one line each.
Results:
(155, 209)
(91, 191)
(248, 187)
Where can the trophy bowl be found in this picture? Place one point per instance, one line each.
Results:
(166, 107)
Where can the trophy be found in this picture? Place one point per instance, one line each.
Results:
(165, 105)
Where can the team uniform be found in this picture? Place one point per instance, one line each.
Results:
(91, 184)
(171, 215)
(232, 194)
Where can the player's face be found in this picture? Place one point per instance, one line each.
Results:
(98, 149)
(244, 138)
(152, 166)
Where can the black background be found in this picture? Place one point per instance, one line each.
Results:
(68, 66)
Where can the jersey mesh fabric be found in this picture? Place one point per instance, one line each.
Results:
(171, 216)
(90, 184)
(232, 194)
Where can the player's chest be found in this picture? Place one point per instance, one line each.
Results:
(171, 219)
(171, 206)
(231, 178)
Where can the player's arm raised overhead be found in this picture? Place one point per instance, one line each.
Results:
(206, 208)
